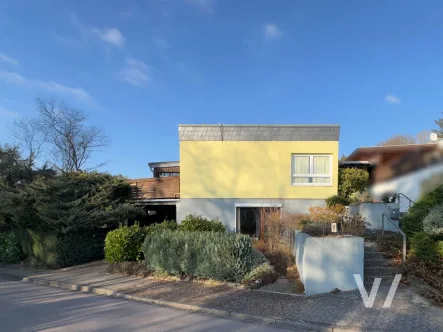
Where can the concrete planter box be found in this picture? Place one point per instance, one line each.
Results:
(327, 263)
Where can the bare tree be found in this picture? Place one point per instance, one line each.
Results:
(423, 137)
(398, 140)
(72, 139)
(30, 137)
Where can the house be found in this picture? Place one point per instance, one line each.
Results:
(233, 172)
(409, 171)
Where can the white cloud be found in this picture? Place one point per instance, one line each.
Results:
(206, 6)
(112, 36)
(391, 99)
(272, 31)
(86, 33)
(50, 86)
(136, 72)
(5, 58)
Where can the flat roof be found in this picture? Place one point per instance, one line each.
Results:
(258, 132)
(164, 164)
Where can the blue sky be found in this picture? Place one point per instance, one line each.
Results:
(140, 68)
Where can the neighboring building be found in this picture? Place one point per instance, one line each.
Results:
(232, 172)
(412, 170)
(160, 194)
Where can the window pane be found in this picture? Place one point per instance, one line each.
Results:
(321, 180)
(301, 165)
(321, 164)
(302, 179)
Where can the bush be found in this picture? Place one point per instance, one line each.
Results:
(354, 224)
(351, 180)
(124, 244)
(391, 245)
(10, 247)
(219, 256)
(326, 214)
(137, 268)
(171, 225)
(257, 257)
(260, 275)
(411, 223)
(62, 250)
(440, 248)
(361, 197)
(336, 199)
(197, 223)
(433, 222)
(424, 247)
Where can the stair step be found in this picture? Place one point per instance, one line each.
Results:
(381, 270)
(376, 262)
(374, 255)
(370, 246)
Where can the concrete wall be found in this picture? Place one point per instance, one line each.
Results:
(327, 263)
(373, 212)
(224, 208)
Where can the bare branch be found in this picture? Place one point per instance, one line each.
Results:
(72, 139)
(30, 136)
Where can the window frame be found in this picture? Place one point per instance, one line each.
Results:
(311, 169)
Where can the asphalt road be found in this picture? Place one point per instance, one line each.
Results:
(28, 307)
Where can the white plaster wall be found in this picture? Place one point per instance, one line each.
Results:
(327, 263)
(373, 212)
(409, 184)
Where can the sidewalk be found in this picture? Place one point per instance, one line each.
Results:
(322, 312)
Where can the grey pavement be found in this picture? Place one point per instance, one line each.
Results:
(28, 307)
(409, 312)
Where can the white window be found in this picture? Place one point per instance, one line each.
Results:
(311, 170)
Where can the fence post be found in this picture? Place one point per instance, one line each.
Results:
(383, 224)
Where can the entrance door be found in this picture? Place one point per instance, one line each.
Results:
(250, 220)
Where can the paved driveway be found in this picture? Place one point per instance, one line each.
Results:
(28, 307)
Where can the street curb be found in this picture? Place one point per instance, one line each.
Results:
(215, 312)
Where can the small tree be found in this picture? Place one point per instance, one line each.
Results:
(351, 180)
(73, 141)
(30, 137)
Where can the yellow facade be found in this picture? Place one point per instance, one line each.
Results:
(250, 169)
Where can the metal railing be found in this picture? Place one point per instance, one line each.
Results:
(398, 228)
(411, 202)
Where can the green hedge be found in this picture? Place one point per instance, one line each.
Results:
(195, 223)
(10, 247)
(62, 250)
(172, 225)
(124, 244)
(411, 223)
(336, 199)
(424, 247)
(219, 256)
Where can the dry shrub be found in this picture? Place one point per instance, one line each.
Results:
(354, 225)
(431, 273)
(391, 245)
(323, 216)
(278, 230)
(326, 214)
